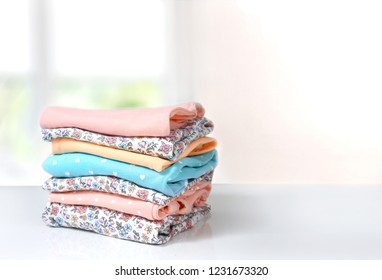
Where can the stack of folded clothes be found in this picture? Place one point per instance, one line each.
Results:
(137, 174)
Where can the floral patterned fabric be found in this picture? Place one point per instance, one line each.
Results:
(115, 185)
(102, 190)
(169, 147)
(178, 206)
(120, 225)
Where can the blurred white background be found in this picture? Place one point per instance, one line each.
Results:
(294, 87)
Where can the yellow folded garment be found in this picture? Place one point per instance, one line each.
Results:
(66, 145)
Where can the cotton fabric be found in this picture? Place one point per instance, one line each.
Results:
(123, 122)
(110, 184)
(139, 174)
(197, 147)
(168, 147)
(182, 204)
(170, 181)
(122, 225)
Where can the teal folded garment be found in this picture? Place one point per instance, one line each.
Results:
(170, 181)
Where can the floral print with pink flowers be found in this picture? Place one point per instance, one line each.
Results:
(101, 220)
(115, 185)
(121, 225)
(165, 147)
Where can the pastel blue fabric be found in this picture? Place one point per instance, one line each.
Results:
(171, 181)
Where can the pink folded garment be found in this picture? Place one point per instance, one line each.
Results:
(181, 205)
(123, 122)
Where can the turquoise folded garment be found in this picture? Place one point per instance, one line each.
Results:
(170, 181)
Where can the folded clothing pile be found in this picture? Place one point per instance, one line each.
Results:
(137, 174)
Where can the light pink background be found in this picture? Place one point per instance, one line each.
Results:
(294, 87)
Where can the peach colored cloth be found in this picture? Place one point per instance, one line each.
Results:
(183, 204)
(123, 122)
(65, 145)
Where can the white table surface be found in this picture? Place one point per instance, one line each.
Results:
(247, 222)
